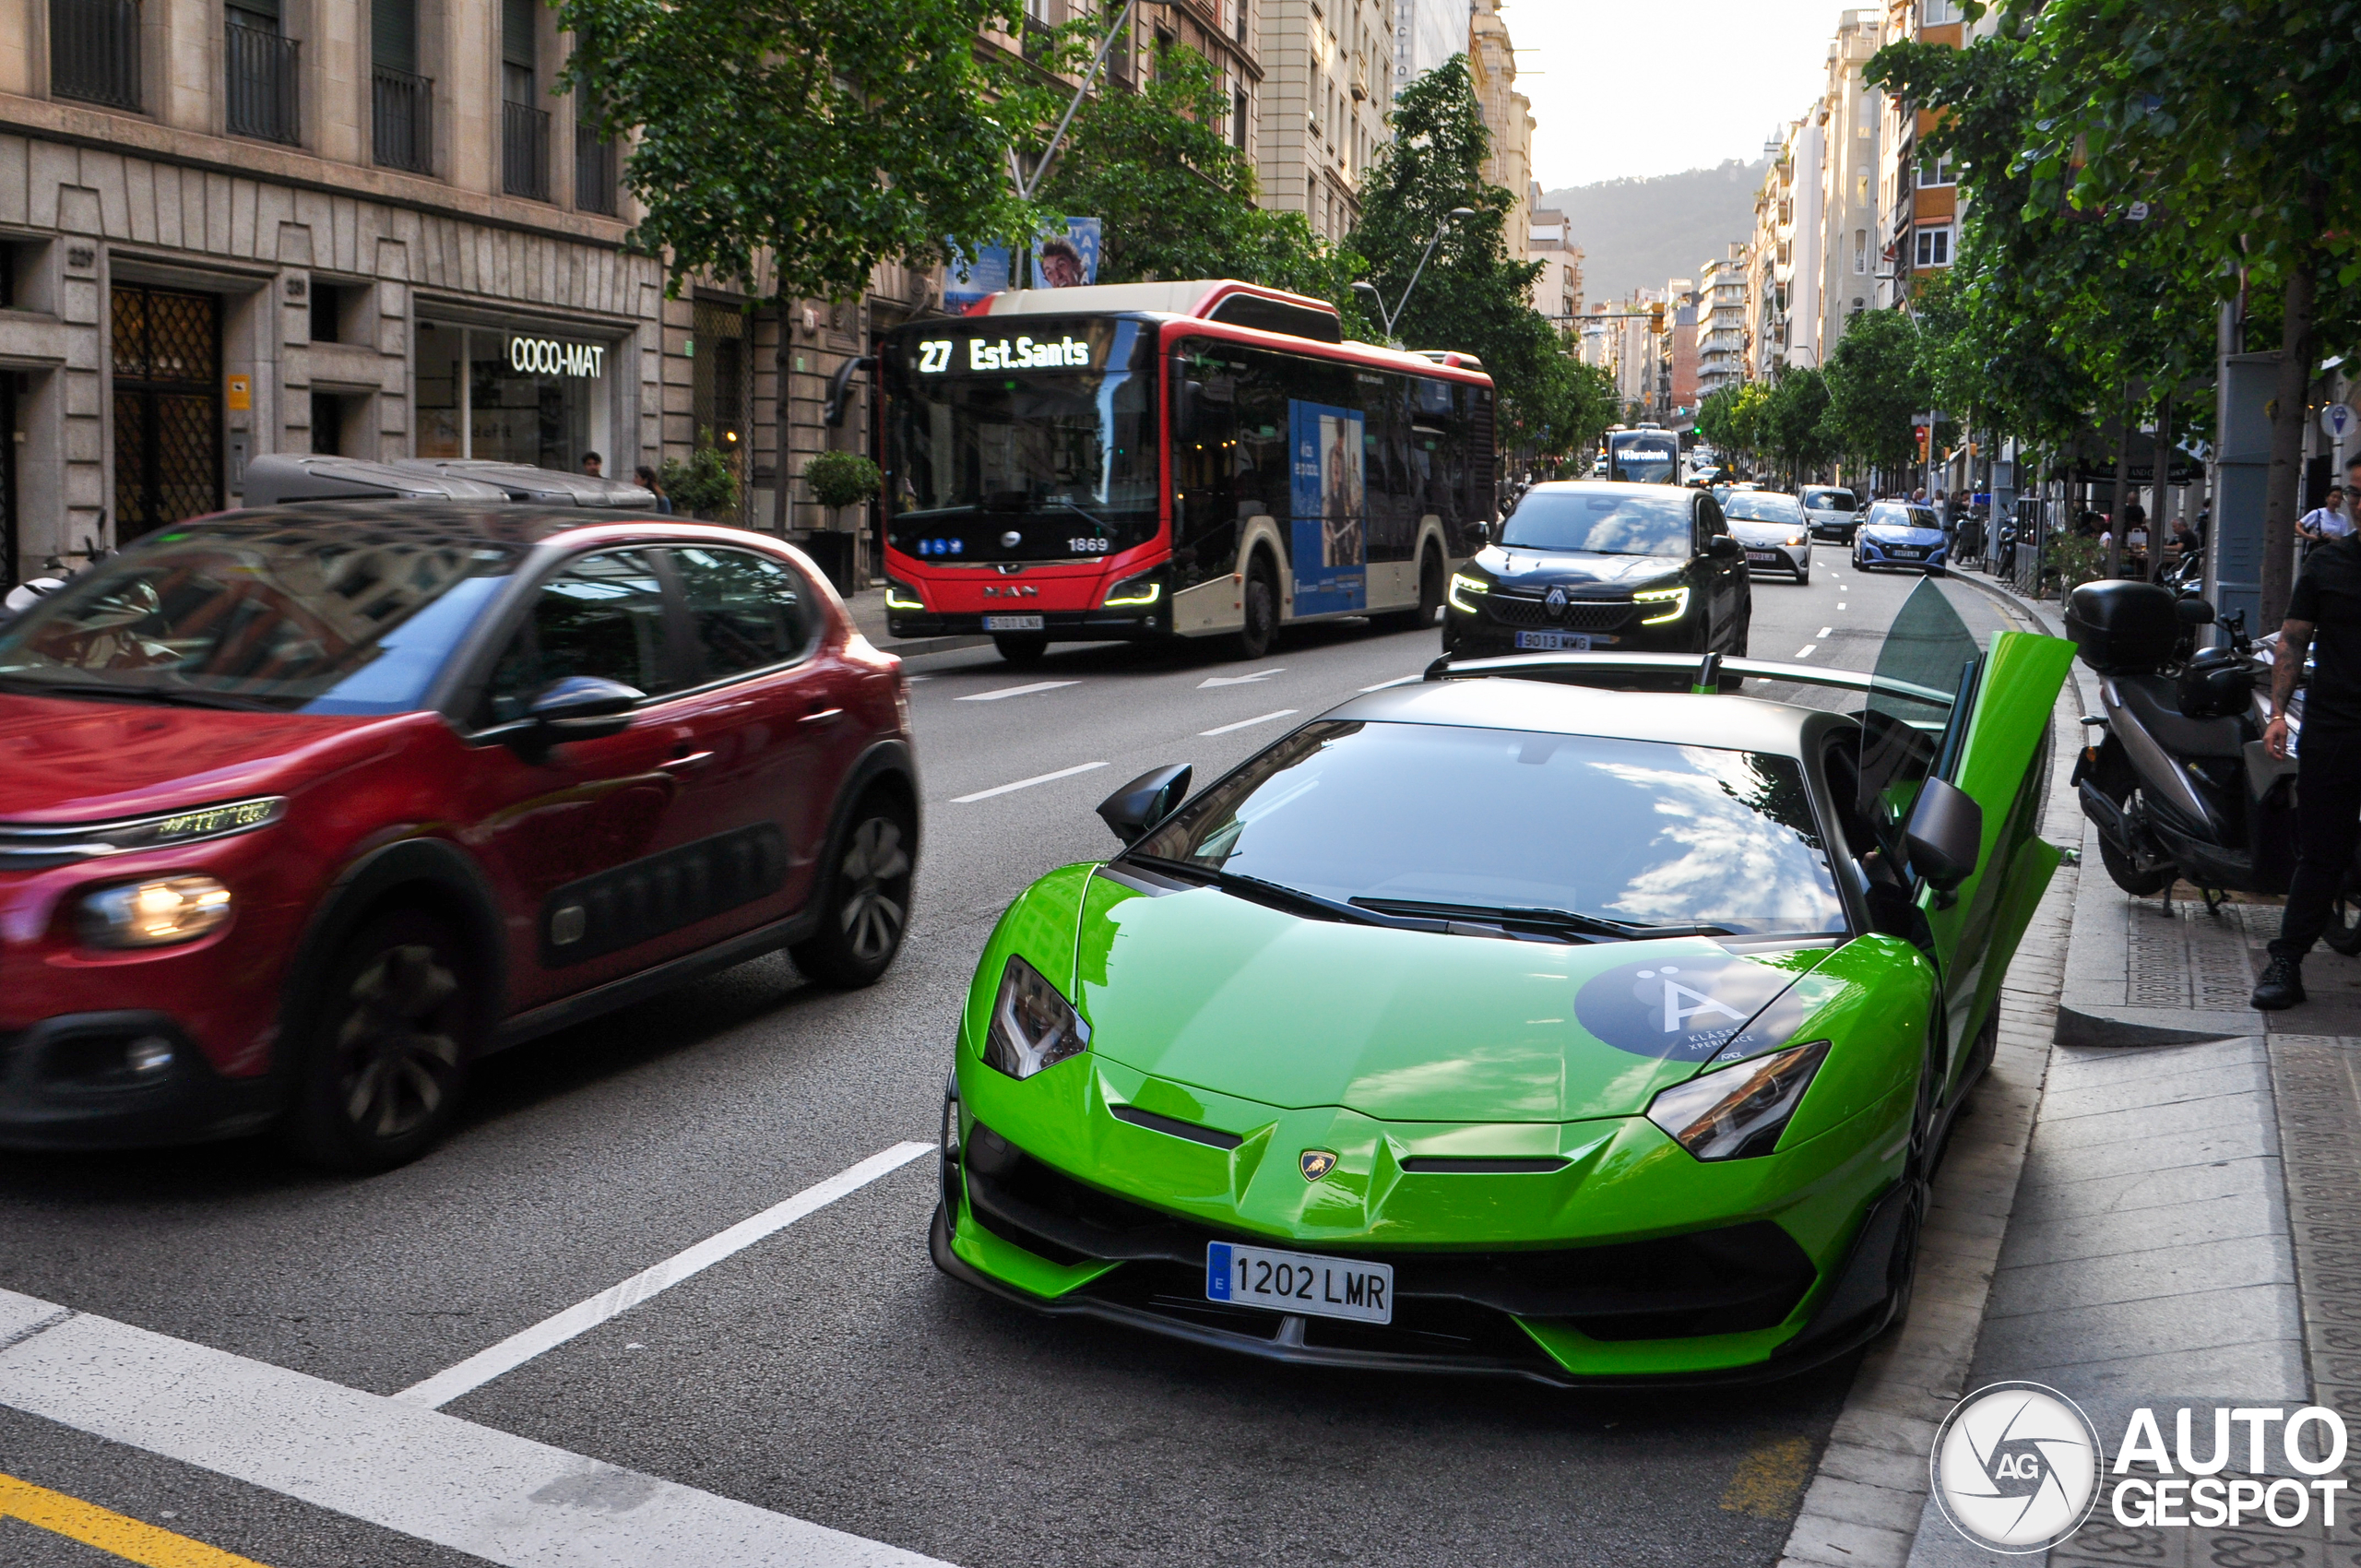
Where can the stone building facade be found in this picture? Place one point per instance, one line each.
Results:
(1325, 94)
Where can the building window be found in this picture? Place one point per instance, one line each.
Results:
(259, 74)
(596, 168)
(94, 51)
(1934, 170)
(524, 125)
(1860, 250)
(402, 102)
(1238, 119)
(1938, 13)
(1935, 246)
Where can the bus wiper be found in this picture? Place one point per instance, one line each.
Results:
(1094, 522)
(1291, 898)
(1549, 919)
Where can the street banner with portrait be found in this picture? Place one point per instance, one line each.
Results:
(1067, 260)
(974, 274)
(1329, 536)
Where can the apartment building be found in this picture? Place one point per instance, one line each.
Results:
(1783, 258)
(1508, 115)
(1557, 293)
(1921, 191)
(1850, 116)
(1427, 33)
(1324, 95)
(1721, 321)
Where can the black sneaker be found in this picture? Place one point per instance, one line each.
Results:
(2281, 985)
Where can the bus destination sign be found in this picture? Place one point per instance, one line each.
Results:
(937, 355)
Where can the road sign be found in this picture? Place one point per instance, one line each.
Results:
(2338, 421)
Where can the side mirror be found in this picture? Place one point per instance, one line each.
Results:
(1481, 532)
(2194, 612)
(582, 707)
(1721, 545)
(1145, 801)
(1945, 835)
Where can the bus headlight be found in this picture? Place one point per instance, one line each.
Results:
(1462, 585)
(901, 596)
(1135, 593)
(1674, 599)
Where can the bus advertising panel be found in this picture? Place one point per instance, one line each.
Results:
(1329, 500)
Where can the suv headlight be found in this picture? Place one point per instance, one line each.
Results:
(1462, 585)
(1674, 599)
(156, 913)
(1133, 593)
(1739, 1111)
(1032, 1027)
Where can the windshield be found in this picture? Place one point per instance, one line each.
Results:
(356, 617)
(1644, 459)
(1021, 445)
(1829, 500)
(1606, 522)
(1761, 506)
(1638, 832)
(1893, 514)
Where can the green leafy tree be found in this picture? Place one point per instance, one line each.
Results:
(1875, 385)
(1473, 295)
(1791, 421)
(790, 146)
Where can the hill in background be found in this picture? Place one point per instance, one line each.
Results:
(1636, 233)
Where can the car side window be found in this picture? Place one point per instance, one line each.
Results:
(600, 615)
(746, 611)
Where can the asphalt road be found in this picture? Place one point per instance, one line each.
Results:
(829, 1372)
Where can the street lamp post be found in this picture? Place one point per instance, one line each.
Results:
(1390, 316)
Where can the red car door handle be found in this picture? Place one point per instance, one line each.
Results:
(820, 715)
(684, 764)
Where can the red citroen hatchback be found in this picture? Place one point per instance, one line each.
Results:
(304, 810)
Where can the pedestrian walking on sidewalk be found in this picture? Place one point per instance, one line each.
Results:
(2326, 603)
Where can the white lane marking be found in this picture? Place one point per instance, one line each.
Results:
(1023, 783)
(1826, 630)
(583, 1316)
(424, 1473)
(1840, 604)
(1265, 718)
(1015, 691)
(1805, 651)
(1239, 680)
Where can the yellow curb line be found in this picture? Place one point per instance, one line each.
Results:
(93, 1526)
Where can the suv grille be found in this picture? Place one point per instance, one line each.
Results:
(1582, 615)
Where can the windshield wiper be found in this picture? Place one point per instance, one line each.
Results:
(1293, 898)
(1551, 919)
(135, 693)
(1095, 522)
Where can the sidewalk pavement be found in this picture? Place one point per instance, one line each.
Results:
(868, 608)
(2152, 1201)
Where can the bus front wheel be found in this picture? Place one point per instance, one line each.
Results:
(1021, 649)
(1261, 604)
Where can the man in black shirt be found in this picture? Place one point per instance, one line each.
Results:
(2327, 602)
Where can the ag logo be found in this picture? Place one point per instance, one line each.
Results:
(2016, 1468)
(1315, 1163)
(1686, 1009)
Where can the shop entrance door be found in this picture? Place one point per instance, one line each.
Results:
(167, 407)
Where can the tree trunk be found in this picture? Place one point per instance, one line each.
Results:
(2163, 485)
(2115, 526)
(783, 421)
(2287, 413)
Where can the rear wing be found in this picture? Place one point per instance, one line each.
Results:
(1663, 670)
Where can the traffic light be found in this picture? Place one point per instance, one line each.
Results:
(1655, 317)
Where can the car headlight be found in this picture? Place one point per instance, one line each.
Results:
(1674, 599)
(1739, 1111)
(1133, 592)
(901, 596)
(154, 913)
(1032, 1027)
(1462, 585)
(1794, 539)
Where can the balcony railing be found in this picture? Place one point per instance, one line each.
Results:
(94, 51)
(403, 109)
(260, 71)
(525, 150)
(596, 172)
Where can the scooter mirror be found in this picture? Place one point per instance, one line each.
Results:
(2194, 612)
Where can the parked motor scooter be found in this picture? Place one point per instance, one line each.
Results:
(2173, 772)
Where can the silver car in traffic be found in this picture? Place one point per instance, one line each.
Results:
(1771, 529)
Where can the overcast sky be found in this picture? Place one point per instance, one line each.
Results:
(1652, 86)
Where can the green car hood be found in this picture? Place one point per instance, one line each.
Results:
(1211, 991)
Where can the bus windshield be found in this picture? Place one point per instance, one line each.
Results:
(1643, 457)
(1008, 444)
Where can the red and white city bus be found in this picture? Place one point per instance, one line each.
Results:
(1188, 459)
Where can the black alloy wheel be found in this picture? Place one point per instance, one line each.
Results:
(1023, 649)
(385, 1054)
(865, 899)
(1260, 600)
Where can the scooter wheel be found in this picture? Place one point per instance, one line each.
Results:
(2131, 878)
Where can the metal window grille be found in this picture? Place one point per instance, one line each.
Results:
(721, 393)
(525, 150)
(167, 358)
(261, 81)
(94, 51)
(403, 109)
(596, 170)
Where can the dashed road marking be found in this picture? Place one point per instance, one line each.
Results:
(1826, 630)
(1015, 691)
(129, 1539)
(424, 1473)
(1214, 681)
(583, 1316)
(1025, 783)
(1805, 651)
(1243, 723)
